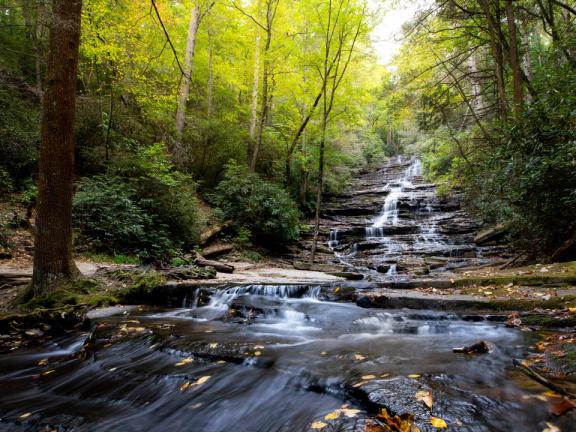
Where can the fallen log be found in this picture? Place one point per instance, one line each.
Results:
(219, 266)
(216, 250)
(531, 373)
(211, 232)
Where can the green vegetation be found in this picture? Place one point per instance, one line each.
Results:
(257, 207)
(484, 90)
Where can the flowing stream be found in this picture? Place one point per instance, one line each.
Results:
(269, 358)
(265, 358)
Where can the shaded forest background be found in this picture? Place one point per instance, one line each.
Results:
(191, 113)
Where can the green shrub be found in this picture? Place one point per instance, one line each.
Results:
(262, 207)
(109, 219)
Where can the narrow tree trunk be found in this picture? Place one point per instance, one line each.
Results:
(514, 58)
(263, 102)
(209, 100)
(477, 101)
(53, 244)
(303, 190)
(184, 90)
(255, 87)
(498, 57)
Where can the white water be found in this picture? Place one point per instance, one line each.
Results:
(390, 211)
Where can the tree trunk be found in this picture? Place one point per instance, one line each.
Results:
(209, 100)
(477, 101)
(53, 244)
(263, 102)
(498, 57)
(514, 58)
(255, 86)
(184, 91)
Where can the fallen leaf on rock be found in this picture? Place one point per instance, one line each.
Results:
(398, 423)
(257, 353)
(414, 376)
(368, 377)
(359, 383)
(318, 425)
(386, 375)
(213, 345)
(438, 423)
(425, 397)
(359, 357)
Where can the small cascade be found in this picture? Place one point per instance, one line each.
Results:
(224, 297)
(333, 239)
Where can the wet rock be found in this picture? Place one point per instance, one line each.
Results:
(479, 347)
(398, 396)
(491, 234)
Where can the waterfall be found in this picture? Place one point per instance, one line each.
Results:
(390, 211)
(224, 297)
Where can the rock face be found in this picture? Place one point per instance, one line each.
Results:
(390, 223)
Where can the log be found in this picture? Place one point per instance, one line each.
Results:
(531, 373)
(219, 266)
(216, 250)
(211, 232)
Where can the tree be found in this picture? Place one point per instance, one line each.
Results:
(53, 244)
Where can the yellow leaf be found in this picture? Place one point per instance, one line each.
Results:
(48, 372)
(333, 415)
(572, 309)
(25, 415)
(185, 386)
(386, 375)
(201, 380)
(368, 377)
(425, 397)
(318, 425)
(213, 345)
(43, 362)
(414, 376)
(323, 353)
(359, 357)
(257, 353)
(350, 412)
(360, 384)
(258, 347)
(551, 428)
(185, 361)
(438, 423)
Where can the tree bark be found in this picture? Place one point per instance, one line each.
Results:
(209, 100)
(514, 59)
(184, 91)
(255, 87)
(53, 244)
(493, 31)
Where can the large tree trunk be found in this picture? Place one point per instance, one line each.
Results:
(184, 91)
(53, 246)
(514, 58)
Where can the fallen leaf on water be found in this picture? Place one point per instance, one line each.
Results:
(368, 377)
(257, 353)
(386, 375)
(318, 425)
(185, 386)
(43, 362)
(350, 412)
(220, 362)
(48, 372)
(360, 384)
(561, 405)
(201, 380)
(323, 353)
(414, 376)
(196, 406)
(551, 428)
(25, 415)
(438, 423)
(425, 397)
(184, 361)
(333, 415)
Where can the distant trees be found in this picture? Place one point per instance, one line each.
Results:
(53, 244)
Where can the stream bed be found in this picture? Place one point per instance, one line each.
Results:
(272, 358)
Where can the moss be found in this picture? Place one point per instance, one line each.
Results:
(560, 302)
(81, 291)
(547, 321)
(141, 285)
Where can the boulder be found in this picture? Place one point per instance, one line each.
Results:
(491, 234)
